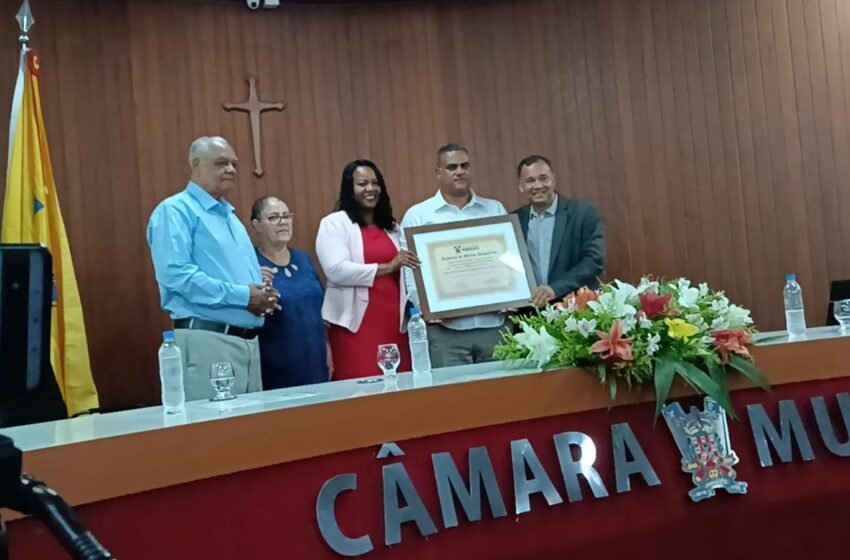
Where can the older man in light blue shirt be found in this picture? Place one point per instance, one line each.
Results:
(209, 278)
(463, 340)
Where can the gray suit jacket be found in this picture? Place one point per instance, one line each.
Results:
(578, 245)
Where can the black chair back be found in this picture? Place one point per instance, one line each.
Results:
(838, 290)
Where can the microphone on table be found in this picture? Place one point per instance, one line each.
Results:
(29, 496)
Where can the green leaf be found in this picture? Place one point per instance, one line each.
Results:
(749, 371)
(664, 372)
(718, 374)
(602, 372)
(699, 380)
(612, 385)
(769, 339)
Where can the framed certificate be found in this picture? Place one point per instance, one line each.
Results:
(471, 267)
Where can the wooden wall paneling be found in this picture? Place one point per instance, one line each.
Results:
(151, 184)
(307, 177)
(399, 153)
(666, 241)
(794, 241)
(435, 67)
(465, 129)
(268, 66)
(490, 177)
(753, 110)
(700, 199)
(617, 246)
(407, 64)
(607, 128)
(512, 83)
(801, 73)
(738, 122)
(631, 133)
(235, 64)
(125, 323)
(825, 209)
(445, 67)
(570, 164)
(717, 189)
(313, 32)
(562, 160)
(669, 149)
(836, 88)
(730, 201)
(685, 162)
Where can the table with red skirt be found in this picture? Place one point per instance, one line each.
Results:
(309, 474)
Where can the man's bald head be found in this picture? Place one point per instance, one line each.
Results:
(213, 162)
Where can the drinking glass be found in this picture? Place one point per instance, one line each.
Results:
(388, 359)
(841, 310)
(222, 379)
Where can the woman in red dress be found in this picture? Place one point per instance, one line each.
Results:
(358, 249)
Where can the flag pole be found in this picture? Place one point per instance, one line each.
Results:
(25, 23)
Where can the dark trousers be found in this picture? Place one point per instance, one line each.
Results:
(450, 347)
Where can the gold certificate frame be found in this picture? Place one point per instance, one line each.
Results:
(471, 267)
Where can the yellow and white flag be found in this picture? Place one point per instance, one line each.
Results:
(31, 214)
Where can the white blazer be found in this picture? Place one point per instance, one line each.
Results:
(339, 246)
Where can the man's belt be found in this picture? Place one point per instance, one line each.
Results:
(203, 325)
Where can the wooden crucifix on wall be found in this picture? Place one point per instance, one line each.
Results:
(253, 106)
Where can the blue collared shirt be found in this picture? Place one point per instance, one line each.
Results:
(203, 258)
(436, 210)
(540, 229)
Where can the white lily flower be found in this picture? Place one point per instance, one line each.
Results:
(738, 317)
(542, 346)
(614, 303)
(571, 325)
(683, 284)
(647, 285)
(696, 320)
(586, 327)
(688, 297)
(703, 289)
(644, 323)
(705, 342)
(552, 314)
(629, 324)
(719, 324)
(652, 344)
(626, 291)
(720, 305)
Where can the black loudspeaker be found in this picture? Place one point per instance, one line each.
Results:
(28, 390)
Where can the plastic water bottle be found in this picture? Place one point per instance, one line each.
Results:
(795, 317)
(417, 334)
(171, 375)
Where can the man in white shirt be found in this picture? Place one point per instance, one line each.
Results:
(463, 340)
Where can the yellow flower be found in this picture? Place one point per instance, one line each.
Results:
(680, 329)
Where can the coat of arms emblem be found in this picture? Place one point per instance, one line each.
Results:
(703, 441)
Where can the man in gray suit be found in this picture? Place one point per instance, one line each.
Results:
(565, 238)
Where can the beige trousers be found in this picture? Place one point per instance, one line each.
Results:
(202, 349)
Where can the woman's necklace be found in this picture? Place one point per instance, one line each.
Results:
(291, 265)
(289, 268)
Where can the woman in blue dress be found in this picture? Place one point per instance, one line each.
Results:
(293, 341)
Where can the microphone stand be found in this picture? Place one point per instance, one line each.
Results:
(29, 496)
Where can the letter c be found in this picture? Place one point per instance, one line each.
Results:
(326, 516)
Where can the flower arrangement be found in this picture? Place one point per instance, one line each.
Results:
(636, 335)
